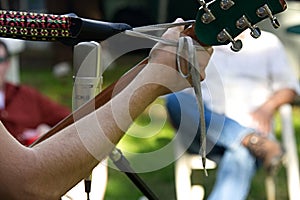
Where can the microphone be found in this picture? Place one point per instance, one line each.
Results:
(69, 29)
(87, 73)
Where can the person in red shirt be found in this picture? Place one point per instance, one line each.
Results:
(24, 111)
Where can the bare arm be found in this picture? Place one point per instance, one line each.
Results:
(264, 114)
(52, 167)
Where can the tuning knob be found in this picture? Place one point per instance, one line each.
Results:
(243, 23)
(236, 45)
(224, 36)
(207, 16)
(265, 11)
(226, 4)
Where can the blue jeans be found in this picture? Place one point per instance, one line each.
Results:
(237, 166)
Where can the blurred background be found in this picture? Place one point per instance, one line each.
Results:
(48, 67)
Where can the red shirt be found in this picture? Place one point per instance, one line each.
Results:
(26, 108)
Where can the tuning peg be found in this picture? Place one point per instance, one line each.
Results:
(265, 11)
(243, 23)
(207, 17)
(224, 36)
(226, 4)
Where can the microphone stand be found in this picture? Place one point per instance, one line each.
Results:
(87, 81)
(123, 164)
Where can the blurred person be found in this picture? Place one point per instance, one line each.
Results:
(247, 87)
(256, 81)
(24, 111)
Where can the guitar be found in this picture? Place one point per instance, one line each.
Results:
(217, 22)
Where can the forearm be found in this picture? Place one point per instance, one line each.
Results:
(45, 171)
(279, 98)
(69, 156)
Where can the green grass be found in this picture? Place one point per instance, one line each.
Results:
(160, 181)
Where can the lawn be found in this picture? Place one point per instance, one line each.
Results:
(145, 136)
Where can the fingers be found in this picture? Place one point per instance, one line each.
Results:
(165, 54)
(174, 33)
(204, 57)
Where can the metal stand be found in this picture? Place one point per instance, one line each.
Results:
(123, 164)
(88, 80)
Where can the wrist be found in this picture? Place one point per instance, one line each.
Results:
(162, 79)
(269, 106)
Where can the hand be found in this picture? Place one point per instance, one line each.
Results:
(166, 55)
(262, 119)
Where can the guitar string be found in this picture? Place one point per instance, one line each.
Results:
(163, 26)
(140, 32)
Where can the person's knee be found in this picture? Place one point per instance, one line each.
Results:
(241, 159)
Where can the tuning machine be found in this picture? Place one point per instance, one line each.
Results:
(207, 16)
(243, 23)
(224, 36)
(266, 11)
(226, 4)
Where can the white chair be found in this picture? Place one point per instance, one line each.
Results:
(188, 162)
(184, 166)
(291, 161)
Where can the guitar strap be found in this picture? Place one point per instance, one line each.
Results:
(187, 50)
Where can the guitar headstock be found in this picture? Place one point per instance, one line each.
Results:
(218, 22)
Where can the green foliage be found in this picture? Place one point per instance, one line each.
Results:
(58, 89)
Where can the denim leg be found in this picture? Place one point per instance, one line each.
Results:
(235, 172)
(221, 130)
(237, 165)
